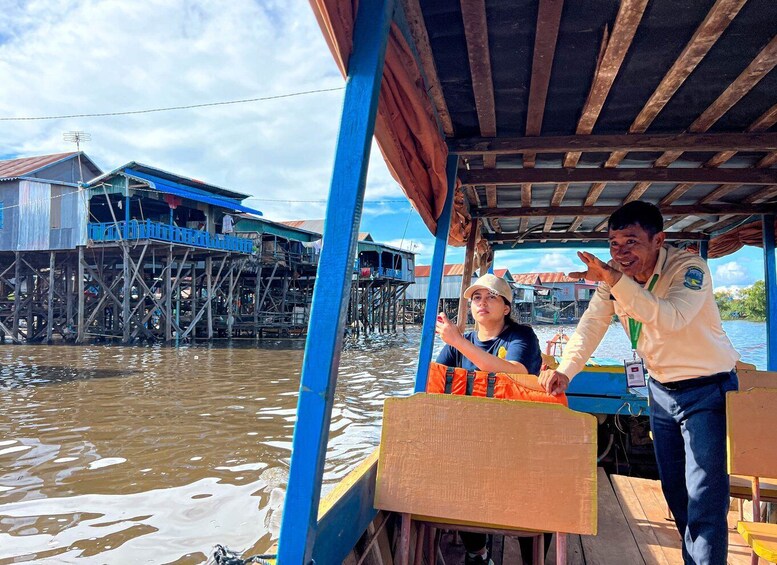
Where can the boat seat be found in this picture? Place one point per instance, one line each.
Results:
(752, 378)
(487, 465)
(751, 426)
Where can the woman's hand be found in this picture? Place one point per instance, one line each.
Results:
(447, 330)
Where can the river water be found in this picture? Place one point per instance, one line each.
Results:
(153, 454)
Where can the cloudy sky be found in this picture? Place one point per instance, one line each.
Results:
(65, 57)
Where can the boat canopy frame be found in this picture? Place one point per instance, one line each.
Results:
(524, 125)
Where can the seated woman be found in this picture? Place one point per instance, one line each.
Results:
(498, 344)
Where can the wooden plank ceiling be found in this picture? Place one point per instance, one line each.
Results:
(692, 147)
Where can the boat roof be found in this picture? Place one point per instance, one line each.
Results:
(561, 112)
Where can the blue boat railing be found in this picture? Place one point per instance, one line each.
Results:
(136, 230)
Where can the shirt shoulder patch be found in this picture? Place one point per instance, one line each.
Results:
(694, 278)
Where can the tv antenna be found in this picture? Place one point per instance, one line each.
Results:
(78, 137)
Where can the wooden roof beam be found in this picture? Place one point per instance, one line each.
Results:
(709, 31)
(665, 175)
(548, 22)
(751, 140)
(598, 211)
(626, 23)
(761, 66)
(764, 122)
(611, 56)
(473, 13)
(545, 38)
(417, 27)
(593, 236)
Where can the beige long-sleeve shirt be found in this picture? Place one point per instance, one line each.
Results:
(682, 335)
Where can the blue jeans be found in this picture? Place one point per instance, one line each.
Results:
(689, 438)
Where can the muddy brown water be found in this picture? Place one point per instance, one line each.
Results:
(155, 454)
(115, 454)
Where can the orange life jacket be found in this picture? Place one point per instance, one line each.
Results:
(450, 380)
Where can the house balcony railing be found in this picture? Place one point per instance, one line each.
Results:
(137, 230)
(377, 272)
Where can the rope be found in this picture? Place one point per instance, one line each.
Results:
(225, 556)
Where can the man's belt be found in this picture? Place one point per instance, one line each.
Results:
(696, 381)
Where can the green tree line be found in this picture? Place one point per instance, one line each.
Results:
(747, 304)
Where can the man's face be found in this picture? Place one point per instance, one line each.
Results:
(635, 251)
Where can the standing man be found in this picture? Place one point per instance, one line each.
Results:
(663, 298)
(227, 225)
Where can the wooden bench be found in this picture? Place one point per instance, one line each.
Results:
(487, 465)
(751, 423)
(750, 377)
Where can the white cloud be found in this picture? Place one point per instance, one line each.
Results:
(557, 263)
(80, 56)
(734, 289)
(731, 273)
(410, 245)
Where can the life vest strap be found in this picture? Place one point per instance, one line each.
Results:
(490, 385)
(449, 373)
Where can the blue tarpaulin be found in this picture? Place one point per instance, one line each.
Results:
(184, 191)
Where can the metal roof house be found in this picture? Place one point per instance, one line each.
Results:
(41, 207)
(451, 281)
(373, 259)
(139, 202)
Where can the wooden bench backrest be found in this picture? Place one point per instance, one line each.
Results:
(496, 463)
(751, 421)
(752, 378)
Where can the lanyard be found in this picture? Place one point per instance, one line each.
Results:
(635, 327)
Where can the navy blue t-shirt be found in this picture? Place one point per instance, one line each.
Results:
(519, 342)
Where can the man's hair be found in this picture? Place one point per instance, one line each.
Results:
(637, 213)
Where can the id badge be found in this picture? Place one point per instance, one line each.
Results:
(635, 373)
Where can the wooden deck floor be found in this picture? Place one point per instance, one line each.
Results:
(633, 528)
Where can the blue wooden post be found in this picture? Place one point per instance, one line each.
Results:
(704, 247)
(330, 295)
(435, 279)
(770, 280)
(126, 208)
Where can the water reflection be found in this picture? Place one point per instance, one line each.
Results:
(130, 454)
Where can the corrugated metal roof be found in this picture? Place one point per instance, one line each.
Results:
(448, 270)
(145, 171)
(12, 168)
(316, 226)
(546, 278)
(453, 270)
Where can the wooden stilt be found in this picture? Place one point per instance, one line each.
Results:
(69, 294)
(80, 293)
(17, 295)
(169, 296)
(230, 299)
(50, 312)
(193, 297)
(125, 305)
(257, 290)
(209, 286)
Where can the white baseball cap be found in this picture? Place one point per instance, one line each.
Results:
(492, 284)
